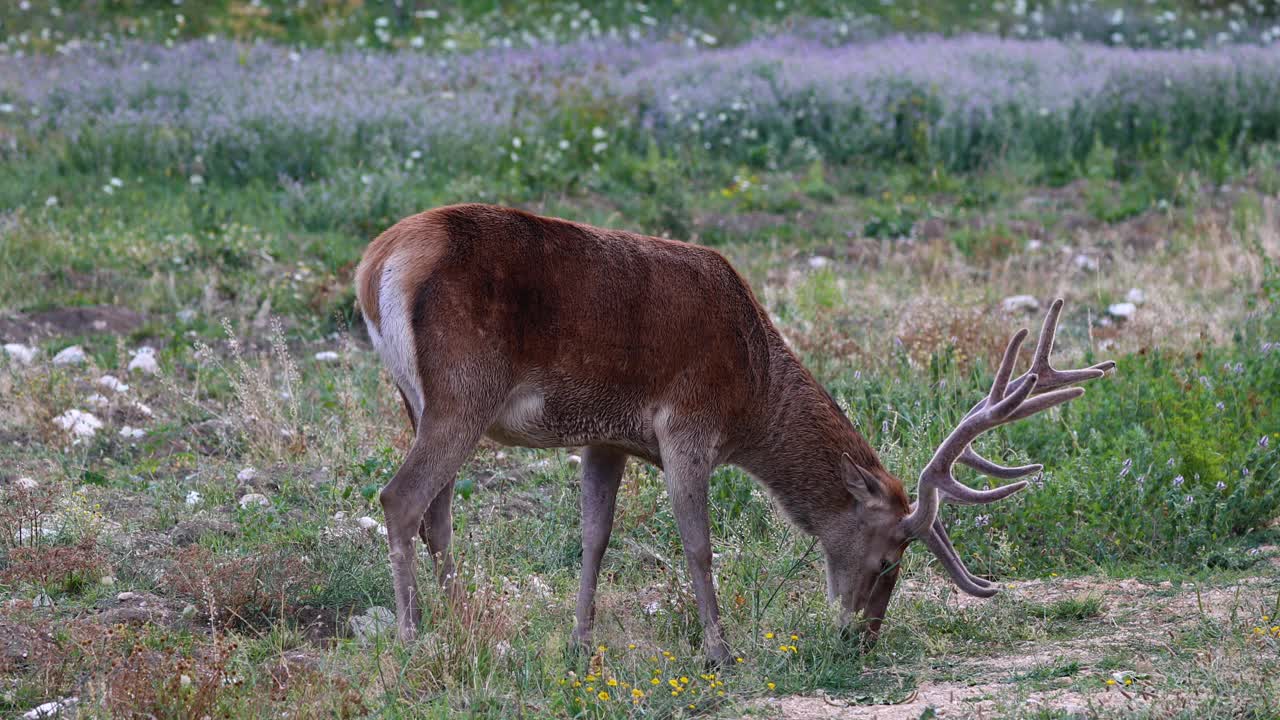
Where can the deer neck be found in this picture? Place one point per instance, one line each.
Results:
(796, 451)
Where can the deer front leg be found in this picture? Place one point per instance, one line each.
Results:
(601, 474)
(688, 476)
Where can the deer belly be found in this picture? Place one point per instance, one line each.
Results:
(530, 419)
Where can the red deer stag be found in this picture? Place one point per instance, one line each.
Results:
(545, 333)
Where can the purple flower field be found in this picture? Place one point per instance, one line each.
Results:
(219, 99)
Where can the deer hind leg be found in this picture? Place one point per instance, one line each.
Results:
(687, 469)
(438, 451)
(436, 532)
(602, 469)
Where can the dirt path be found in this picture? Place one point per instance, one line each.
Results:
(1148, 639)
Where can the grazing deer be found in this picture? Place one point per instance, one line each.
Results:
(545, 333)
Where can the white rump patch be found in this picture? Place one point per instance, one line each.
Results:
(395, 344)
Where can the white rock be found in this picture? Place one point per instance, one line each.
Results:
(327, 356)
(73, 355)
(97, 400)
(50, 709)
(131, 433)
(25, 483)
(194, 498)
(247, 474)
(113, 383)
(254, 500)
(126, 596)
(368, 523)
(22, 354)
(144, 360)
(818, 262)
(144, 409)
(374, 622)
(1135, 296)
(80, 424)
(1085, 262)
(1020, 303)
(1034, 245)
(340, 515)
(42, 600)
(1123, 311)
(575, 460)
(186, 315)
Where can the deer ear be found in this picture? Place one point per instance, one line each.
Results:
(862, 484)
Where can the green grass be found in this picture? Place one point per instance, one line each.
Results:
(1107, 569)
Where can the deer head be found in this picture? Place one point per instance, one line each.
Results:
(865, 550)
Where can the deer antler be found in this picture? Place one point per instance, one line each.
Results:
(1049, 378)
(1038, 389)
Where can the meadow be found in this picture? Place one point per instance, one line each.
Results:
(194, 428)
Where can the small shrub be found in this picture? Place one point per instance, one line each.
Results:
(66, 568)
(239, 590)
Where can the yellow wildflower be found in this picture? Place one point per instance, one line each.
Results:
(770, 685)
(603, 695)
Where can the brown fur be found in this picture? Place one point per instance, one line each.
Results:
(547, 333)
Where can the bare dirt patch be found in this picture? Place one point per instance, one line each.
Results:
(961, 701)
(1135, 623)
(70, 321)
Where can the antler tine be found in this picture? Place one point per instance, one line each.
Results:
(971, 458)
(1001, 382)
(1051, 378)
(937, 478)
(951, 550)
(941, 546)
(1048, 378)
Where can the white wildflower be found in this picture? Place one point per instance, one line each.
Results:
(247, 474)
(327, 356)
(194, 498)
(129, 432)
